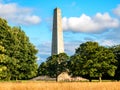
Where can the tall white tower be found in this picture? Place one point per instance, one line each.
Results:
(57, 33)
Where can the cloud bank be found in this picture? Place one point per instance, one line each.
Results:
(116, 11)
(98, 23)
(18, 15)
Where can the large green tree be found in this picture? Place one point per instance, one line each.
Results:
(54, 65)
(5, 40)
(20, 53)
(116, 51)
(24, 52)
(3, 60)
(93, 60)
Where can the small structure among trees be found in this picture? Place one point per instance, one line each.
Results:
(64, 76)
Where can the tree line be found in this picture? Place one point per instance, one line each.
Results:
(18, 58)
(90, 60)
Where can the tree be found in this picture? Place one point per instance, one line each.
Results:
(24, 52)
(5, 37)
(74, 65)
(116, 51)
(19, 53)
(94, 60)
(54, 65)
(42, 70)
(3, 68)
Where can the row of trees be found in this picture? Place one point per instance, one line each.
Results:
(90, 60)
(18, 58)
(17, 54)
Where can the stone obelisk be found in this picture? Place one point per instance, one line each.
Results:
(57, 33)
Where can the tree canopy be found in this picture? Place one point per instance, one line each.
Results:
(116, 51)
(18, 58)
(17, 53)
(93, 60)
(54, 65)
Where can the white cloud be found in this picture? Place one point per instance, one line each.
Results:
(107, 43)
(44, 51)
(84, 23)
(116, 11)
(70, 47)
(113, 35)
(18, 15)
(45, 48)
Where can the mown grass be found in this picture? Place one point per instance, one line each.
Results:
(41, 85)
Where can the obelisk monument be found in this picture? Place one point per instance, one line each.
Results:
(57, 33)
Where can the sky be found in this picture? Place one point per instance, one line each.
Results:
(82, 21)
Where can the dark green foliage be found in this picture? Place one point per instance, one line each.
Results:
(19, 53)
(116, 51)
(54, 65)
(42, 70)
(74, 65)
(25, 53)
(3, 60)
(93, 60)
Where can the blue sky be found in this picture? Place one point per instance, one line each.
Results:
(83, 20)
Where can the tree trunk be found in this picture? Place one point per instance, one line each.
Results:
(100, 79)
(90, 80)
(56, 79)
